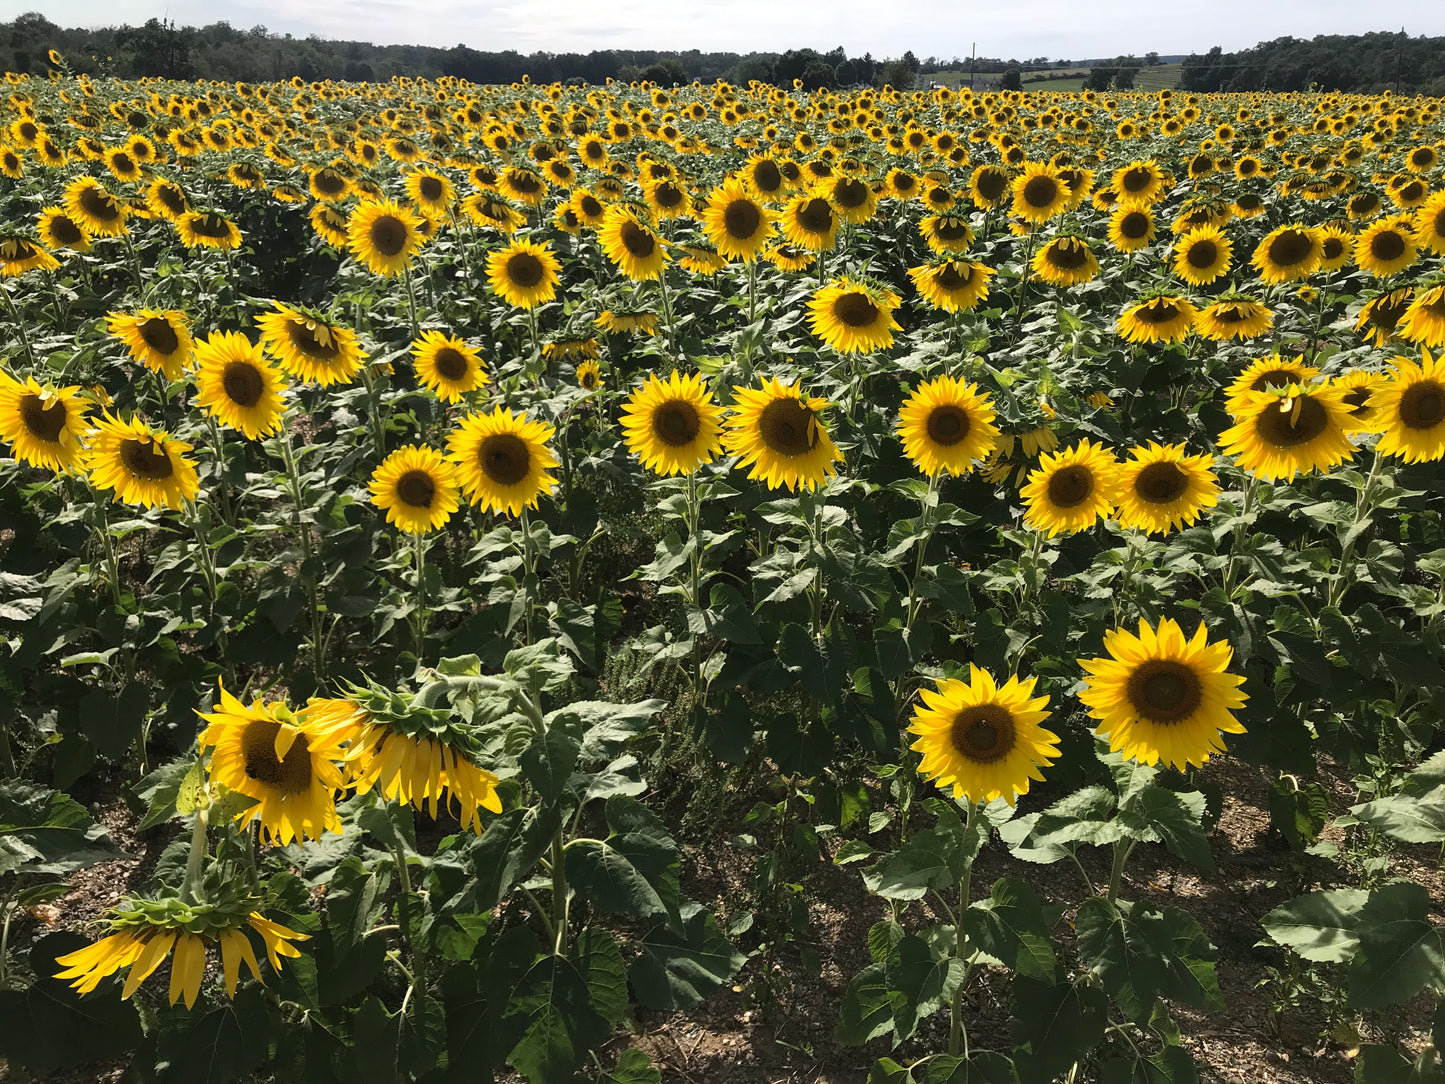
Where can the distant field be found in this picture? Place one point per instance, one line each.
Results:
(1156, 78)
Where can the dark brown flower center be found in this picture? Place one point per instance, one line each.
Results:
(984, 733)
(211, 225)
(1422, 406)
(416, 488)
(1067, 254)
(638, 241)
(1202, 254)
(451, 364)
(1358, 400)
(243, 383)
(65, 231)
(146, 458)
(1159, 311)
(856, 310)
(1291, 248)
(319, 342)
(590, 206)
(160, 336)
(43, 420)
(99, 204)
(431, 188)
(815, 216)
(991, 184)
(1276, 378)
(1412, 191)
(1233, 313)
(1281, 428)
(676, 423)
(1164, 691)
(667, 196)
(766, 176)
(1249, 202)
(1387, 246)
(950, 278)
(742, 218)
(389, 235)
(948, 425)
(1135, 225)
(1161, 483)
(291, 773)
(504, 459)
(950, 229)
(1070, 486)
(851, 193)
(1138, 179)
(788, 427)
(528, 184)
(1041, 192)
(525, 270)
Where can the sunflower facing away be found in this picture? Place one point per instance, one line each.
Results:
(43, 426)
(631, 246)
(947, 425)
(776, 432)
(673, 426)
(238, 386)
(1161, 487)
(1065, 261)
(417, 487)
(1163, 697)
(448, 366)
(524, 274)
(1233, 318)
(1164, 319)
(1287, 431)
(161, 341)
(142, 465)
(384, 235)
(503, 460)
(1071, 489)
(854, 317)
(952, 285)
(310, 348)
(266, 753)
(1409, 410)
(737, 224)
(983, 739)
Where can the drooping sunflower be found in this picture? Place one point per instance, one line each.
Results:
(1287, 431)
(622, 321)
(1380, 317)
(853, 316)
(20, 254)
(1131, 228)
(384, 235)
(448, 365)
(267, 753)
(487, 210)
(1071, 489)
(1162, 487)
(142, 465)
(810, 222)
(776, 431)
(1386, 247)
(1039, 193)
(1162, 696)
(98, 211)
(503, 460)
(1264, 374)
(57, 230)
(1066, 261)
(1202, 256)
(981, 739)
(952, 285)
(1162, 319)
(1409, 410)
(417, 488)
(309, 347)
(1360, 389)
(44, 426)
(700, 260)
(1233, 318)
(1288, 254)
(329, 224)
(159, 340)
(946, 424)
(207, 229)
(635, 250)
(673, 426)
(1423, 320)
(737, 224)
(238, 386)
(524, 274)
(571, 349)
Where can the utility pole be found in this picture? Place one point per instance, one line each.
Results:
(973, 52)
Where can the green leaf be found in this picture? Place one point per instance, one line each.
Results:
(470, 1029)
(43, 831)
(599, 962)
(1176, 818)
(1010, 927)
(679, 971)
(1408, 819)
(1054, 1026)
(981, 1067)
(548, 762)
(634, 1067)
(223, 1045)
(1141, 954)
(1400, 952)
(935, 858)
(112, 723)
(1320, 926)
(558, 1021)
(867, 1008)
(355, 897)
(1299, 812)
(634, 871)
(918, 983)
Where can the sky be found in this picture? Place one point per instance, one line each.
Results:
(1073, 29)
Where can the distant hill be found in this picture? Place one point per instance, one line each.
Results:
(1366, 63)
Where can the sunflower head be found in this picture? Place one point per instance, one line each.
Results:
(384, 235)
(142, 465)
(238, 386)
(777, 433)
(854, 316)
(503, 460)
(1282, 432)
(673, 426)
(1161, 487)
(1409, 410)
(44, 426)
(159, 340)
(417, 488)
(524, 274)
(947, 425)
(448, 365)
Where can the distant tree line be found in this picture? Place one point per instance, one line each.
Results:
(1364, 63)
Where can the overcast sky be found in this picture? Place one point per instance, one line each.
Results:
(1053, 28)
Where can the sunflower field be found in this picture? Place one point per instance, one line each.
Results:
(495, 578)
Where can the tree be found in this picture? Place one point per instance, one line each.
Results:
(1012, 80)
(1099, 78)
(896, 74)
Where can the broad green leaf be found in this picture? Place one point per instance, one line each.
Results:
(1400, 951)
(634, 1067)
(44, 831)
(867, 1008)
(559, 1023)
(1010, 927)
(1320, 926)
(599, 961)
(1410, 820)
(632, 872)
(1054, 1026)
(678, 972)
(918, 983)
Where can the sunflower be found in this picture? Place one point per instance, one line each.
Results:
(19, 255)
(1039, 193)
(487, 210)
(384, 235)
(142, 465)
(1202, 256)
(142, 944)
(776, 431)
(448, 365)
(1164, 319)
(1288, 253)
(763, 177)
(524, 274)
(853, 199)
(1387, 247)
(623, 322)
(983, 739)
(853, 316)
(810, 222)
(329, 185)
(1071, 489)
(901, 184)
(947, 425)
(503, 460)
(736, 223)
(1233, 318)
(237, 385)
(1381, 316)
(206, 229)
(668, 200)
(1287, 431)
(524, 185)
(1162, 696)
(43, 426)
(417, 487)
(570, 349)
(94, 208)
(167, 200)
(267, 753)
(632, 246)
(673, 426)
(1140, 183)
(1131, 228)
(430, 191)
(988, 187)
(946, 234)
(1430, 224)
(161, 341)
(1361, 389)
(589, 208)
(309, 347)
(1162, 487)
(1409, 410)
(1423, 320)
(1264, 374)
(952, 285)
(329, 224)
(1336, 243)
(1066, 261)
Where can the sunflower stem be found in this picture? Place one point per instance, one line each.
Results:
(403, 916)
(1116, 875)
(694, 513)
(667, 313)
(559, 895)
(419, 616)
(308, 576)
(929, 501)
(1345, 570)
(1017, 318)
(410, 299)
(7, 767)
(752, 290)
(222, 489)
(19, 324)
(529, 564)
(958, 1034)
(195, 859)
(112, 562)
(1240, 533)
